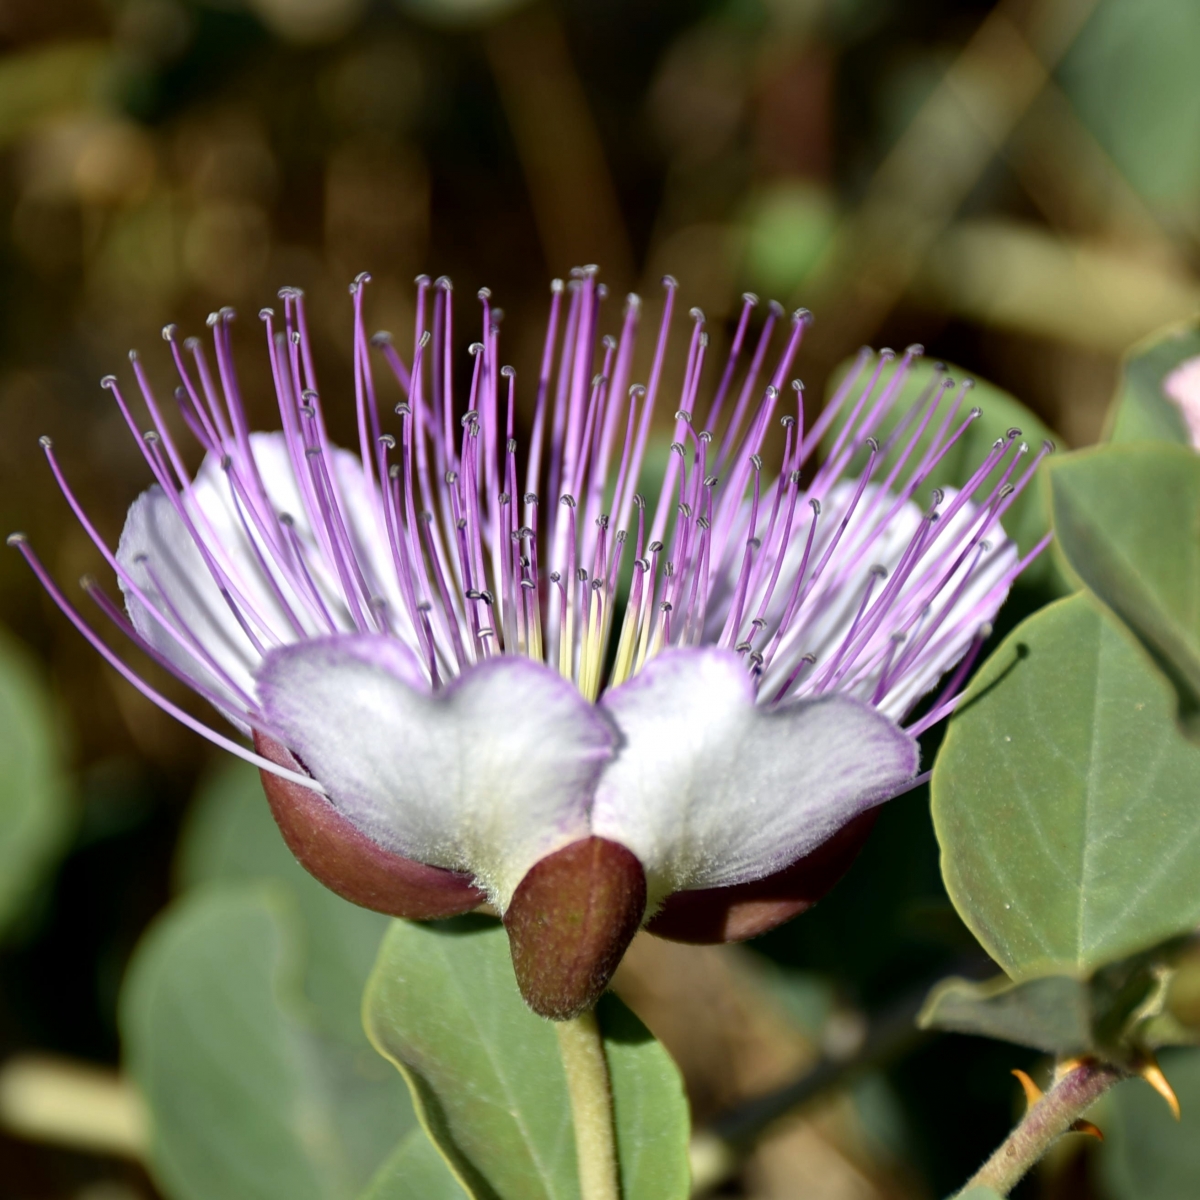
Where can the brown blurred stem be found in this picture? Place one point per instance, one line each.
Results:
(570, 186)
(1044, 1123)
(920, 185)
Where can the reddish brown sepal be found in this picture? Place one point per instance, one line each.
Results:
(570, 921)
(348, 862)
(744, 910)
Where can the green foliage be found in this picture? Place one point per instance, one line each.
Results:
(1064, 799)
(1146, 1155)
(1131, 77)
(416, 1169)
(240, 1019)
(248, 1097)
(35, 813)
(1141, 410)
(1128, 522)
(1028, 519)
(789, 227)
(1109, 1015)
(487, 1079)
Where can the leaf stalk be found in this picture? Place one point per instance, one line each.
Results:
(582, 1051)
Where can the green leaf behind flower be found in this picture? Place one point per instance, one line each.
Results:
(1128, 522)
(416, 1169)
(486, 1075)
(1141, 410)
(35, 814)
(1028, 519)
(1064, 799)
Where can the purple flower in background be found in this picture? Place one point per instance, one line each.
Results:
(474, 669)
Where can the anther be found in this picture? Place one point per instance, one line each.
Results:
(509, 372)
(682, 414)
(602, 520)
(452, 477)
(655, 547)
(666, 606)
(742, 647)
(679, 448)
(704, 522)
(985, 546)
(169, 332)
(469, 417)
(394, 471)
(795, 476)
(1049, 446)
(530, 498)
(669, 281)
(567, 499)
(581, 574)
(150, 437)
(108, 381)
(461, 523)
(879, 571)
(309, 395)
(16, 539)
(381, 337)
(133, 356)
(750, 298)
(697, 314)
(555, 577)
(511, 446)
(639, 501)
(685, 510)
(755, 659)
(1007, 490)
(475, 348)
(45, 442)
(710, 481)
(287, 519)
(754, 542)
(704, 436)
(642, 564)
(756, 461)
(815, 505)
(787, 421)
(976, 413)
(226, 463)
(776, 308)
(872, 444)
(759, 623)
(403, 409)
(505, 499)
(620, 537)
(386, 439)
(528, 584)
(802, 316)
(1013, 434)
(937, 496)
(772, 392)
(484, 293)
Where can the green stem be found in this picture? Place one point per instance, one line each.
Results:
(1044, 1124)
(582, 1050)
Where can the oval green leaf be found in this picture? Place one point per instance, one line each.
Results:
(247, 1098)
(1141, 410)
(487, 1079)
(1128, 522)
(1064, 799)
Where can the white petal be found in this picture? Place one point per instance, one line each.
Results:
(487, 776)
(710, 789)
(156, 546)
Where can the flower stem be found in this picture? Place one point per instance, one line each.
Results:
(1044, 1123)
(582, 1051)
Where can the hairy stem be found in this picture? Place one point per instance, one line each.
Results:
(582, 1051)
(1044, 1124)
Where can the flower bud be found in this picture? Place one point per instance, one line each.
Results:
(570, 921)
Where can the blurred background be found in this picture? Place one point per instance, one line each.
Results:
(1014, 185)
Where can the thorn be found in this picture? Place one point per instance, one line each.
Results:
(1082, 1126)
(1033, 1093)
(1152, 1073)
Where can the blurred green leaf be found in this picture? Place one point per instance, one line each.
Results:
(1028, 519)
(1141, 410)
(1131, 75)
(1064, 799)
(415, 1170)
(487, 1078)
(1128, 521)
(231, 835)
(1146, 1155)
(35, 813)
(248, 1098)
